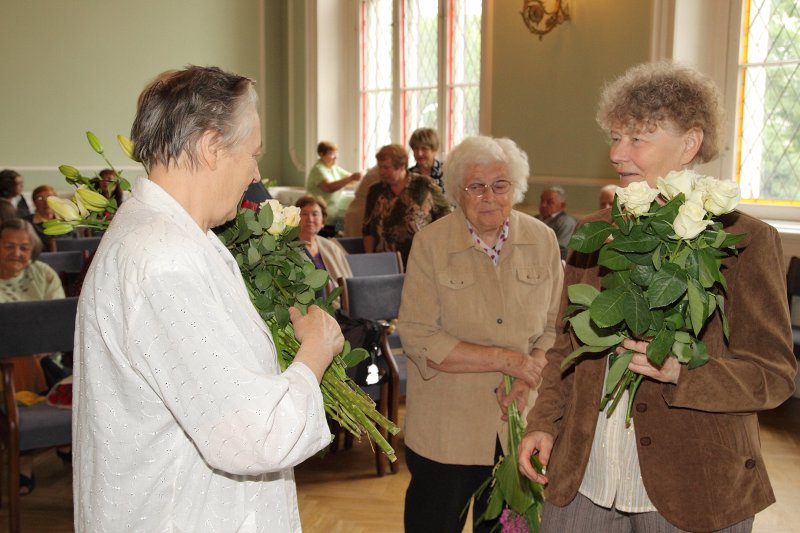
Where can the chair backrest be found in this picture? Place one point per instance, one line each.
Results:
(37, 327)
(81, 244)
(64, 262)
(352, 245)
(372, 297)
(378, 264)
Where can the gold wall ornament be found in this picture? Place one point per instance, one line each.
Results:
(539, 19)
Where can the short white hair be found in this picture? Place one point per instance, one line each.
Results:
(482, 150)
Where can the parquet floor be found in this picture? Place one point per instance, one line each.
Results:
(340, 493)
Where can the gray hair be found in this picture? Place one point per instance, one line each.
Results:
(482, 150)
(179, 106)
(18, 224)
(562, 194)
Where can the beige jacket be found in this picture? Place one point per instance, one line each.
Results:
(452, 293)
(335, 258)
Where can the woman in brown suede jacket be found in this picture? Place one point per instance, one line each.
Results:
(691, 459)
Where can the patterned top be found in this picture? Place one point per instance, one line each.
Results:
(393, 220)
(492, 251)
(183, 420)
(38, 281)
(436, 173)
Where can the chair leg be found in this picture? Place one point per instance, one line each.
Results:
(13, 491)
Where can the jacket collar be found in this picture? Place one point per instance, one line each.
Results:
(460, 239)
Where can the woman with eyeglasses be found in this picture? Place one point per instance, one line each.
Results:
(480, 300)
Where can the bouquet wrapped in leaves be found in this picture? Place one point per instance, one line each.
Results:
(276, 272)
(663, 255)
(517, 500)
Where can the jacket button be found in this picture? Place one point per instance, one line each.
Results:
(641, 407)
(750, 463)
(645, 441)
(499, 320)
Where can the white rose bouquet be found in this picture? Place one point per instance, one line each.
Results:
(662, 256)
(277, 275)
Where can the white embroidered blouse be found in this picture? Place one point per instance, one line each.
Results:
(182, 420)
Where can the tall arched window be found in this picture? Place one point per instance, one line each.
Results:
(420, 67)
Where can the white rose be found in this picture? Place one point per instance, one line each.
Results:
(690, 220)
(720, 196)
(292, 215)
(677, 182)
(278, 216)
(636, 197)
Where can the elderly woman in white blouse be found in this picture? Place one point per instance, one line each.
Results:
(183, 419)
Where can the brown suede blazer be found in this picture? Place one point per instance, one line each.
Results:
(697, 441)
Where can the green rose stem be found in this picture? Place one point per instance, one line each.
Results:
(349, 406)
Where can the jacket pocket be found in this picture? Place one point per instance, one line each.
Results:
(530, 275)
(456, 280)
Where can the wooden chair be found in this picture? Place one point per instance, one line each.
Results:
(352, 245)
(31, 328)
(378, 298)
(377, 264)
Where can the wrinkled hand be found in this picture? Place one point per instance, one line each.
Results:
(531, 369)
(320, 338)
(669, 372)
(519, 393)
(537, 442)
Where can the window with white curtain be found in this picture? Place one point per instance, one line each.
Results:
(768, 115)
(420, 67)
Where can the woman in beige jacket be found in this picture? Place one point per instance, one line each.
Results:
(480, 300)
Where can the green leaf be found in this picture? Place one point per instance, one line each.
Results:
(708, 268)
(581, 325)
(254, 227)
(282, 316)
(644, 259)
(662, 228)
(305, 297)
(668, 285)
(636, 241)
(659, 347)
(681, 350)
(607, 308)
(681, 257)
(316, 279)
(253, 257)
(683, 336)
(699, 355)
(590, 236)
(612, 259)
(615, 279)
(636, 310)
(721, 305)
(579, 352)
(617, 369)
(265, 216)
(263, 279)
(582, 294)
(697, 305)
(267, 243)
(642, 275)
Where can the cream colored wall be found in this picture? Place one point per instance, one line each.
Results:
(544, 92)
(72, 66)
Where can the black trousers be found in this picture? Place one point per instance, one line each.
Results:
(438, 495)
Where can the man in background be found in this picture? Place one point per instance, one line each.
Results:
(551, 211)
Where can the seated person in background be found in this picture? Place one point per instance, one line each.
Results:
(8, 190)
(551, 212)
(354, 215)
(17, 199)
(23, 278)
(326, 180)
(42, 213)
(400, 205)
(109, 185)
(606, 197)
(326, 254)
(424, 143)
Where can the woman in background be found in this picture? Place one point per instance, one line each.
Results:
(326, 180)
(326, 254)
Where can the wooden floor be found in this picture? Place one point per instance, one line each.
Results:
(340, 492)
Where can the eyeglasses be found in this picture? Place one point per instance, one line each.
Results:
(479, 189)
